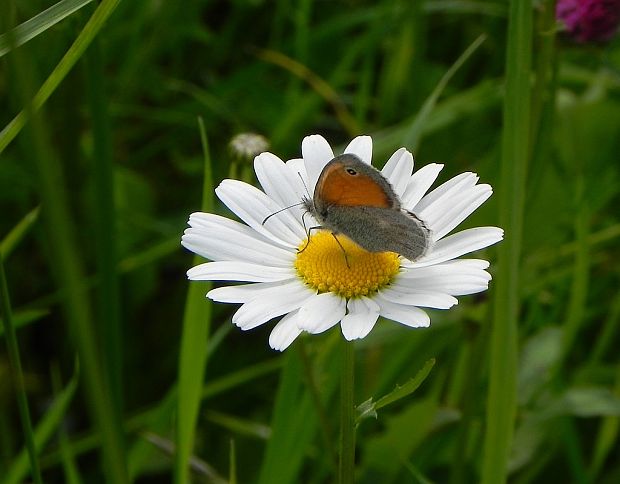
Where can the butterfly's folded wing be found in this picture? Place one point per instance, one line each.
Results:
(379, 229)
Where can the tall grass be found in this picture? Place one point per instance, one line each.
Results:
(502, 393)
(101, 162)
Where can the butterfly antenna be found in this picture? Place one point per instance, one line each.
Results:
(281, 210)
(304, 184)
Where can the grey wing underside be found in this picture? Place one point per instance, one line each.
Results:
(378, 229)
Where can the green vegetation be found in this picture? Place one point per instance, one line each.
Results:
(115, 122)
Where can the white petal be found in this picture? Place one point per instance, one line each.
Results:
(219, 238)
(401, 313)
(279, 180)
(261, 309)
(404, 295)
(361, 146)
(298, 167)
(447, 190)
(316, 153)
(451, 267)
(252, 206)
(398, 170)
(246, 292)
(473, 263)
(418, 185)
(455, 279)
(444, 215)
(459, 244)
(321, 312)
(285, 332)
(238, 271)
(360, 319)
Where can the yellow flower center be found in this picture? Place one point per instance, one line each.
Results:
(344, 269)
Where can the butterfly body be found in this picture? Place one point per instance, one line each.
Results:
(354, 199)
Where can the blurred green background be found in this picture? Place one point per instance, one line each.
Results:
(97, 186)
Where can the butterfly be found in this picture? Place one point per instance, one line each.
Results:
(354, 199)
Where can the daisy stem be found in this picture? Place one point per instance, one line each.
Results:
(346, 466)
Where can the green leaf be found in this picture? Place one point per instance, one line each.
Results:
(540, 353)
(194, 350)
(39, 24)
(15, 236)
(590, 402)
(44, 430)
(369, 409)
(24, 318)
(88, 33)
(414, 132)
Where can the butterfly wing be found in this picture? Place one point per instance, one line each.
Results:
(378, 229)
(348, 181)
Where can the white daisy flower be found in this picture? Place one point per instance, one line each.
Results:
(316, 288)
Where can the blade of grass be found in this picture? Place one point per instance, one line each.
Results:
(606, 439)
(606, 334)
(494, 9)
(501, 397)
(295, 421)
(414, 133)
(193, 353)
(44, 430)
(319, 85)
(15, 236)
(315, 394)
(232, 466)
(92, 27)
(67, 269)
(161, 414)
(40, 23)
(405, 46)
(289, 431)
(203, 470)
(105, 223)
(18, 376)
(25, 318)
(71, 473)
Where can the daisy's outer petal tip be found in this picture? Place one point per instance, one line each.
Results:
(361, 318)
(284, 333)
(361, 146)
(314, 138)
(315, 146)
(321, 312)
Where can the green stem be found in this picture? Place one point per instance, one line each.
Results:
(346, 471)
(105, 223)
(16, 365)
(194, 350)
(502, 393)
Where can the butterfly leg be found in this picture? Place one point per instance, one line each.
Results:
(344, 252)
(318, 227)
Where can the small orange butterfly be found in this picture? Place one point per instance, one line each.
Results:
(354, 199)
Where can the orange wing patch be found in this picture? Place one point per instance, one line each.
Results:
(337, 187)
